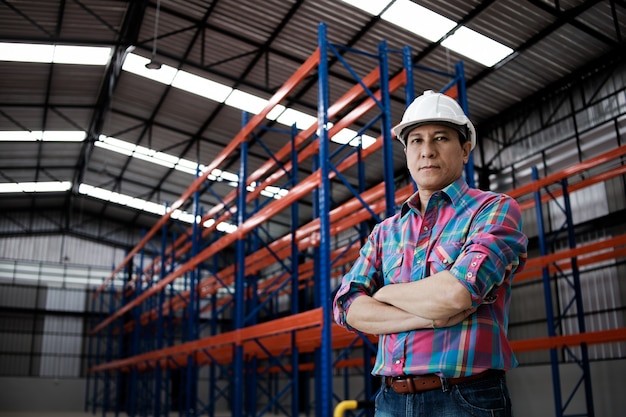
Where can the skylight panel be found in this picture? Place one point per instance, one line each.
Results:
(433, 26)
(226, 227)
(371, 6)
(343, 136)
(49, 136)
(228, 176)
(275, 112)
(477, 47)
(20, 136)
(133, 202)
(83, 55)
(367, 141)
(35, 187)
(201, 86)
(26, 52)
(63, 136)
(187, 166)
(418, 19)
(350, 137)
(115, 145)
(58, 54)
(246, 102)
(302, 120)
(137, 65)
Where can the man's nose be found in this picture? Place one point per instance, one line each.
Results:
(427, 150)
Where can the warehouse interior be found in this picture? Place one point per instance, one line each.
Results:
(184, 183)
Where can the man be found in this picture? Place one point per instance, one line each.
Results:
(434, 281)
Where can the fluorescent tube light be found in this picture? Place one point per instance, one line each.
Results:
(201, 86)
(35, 187)
(418, 19)
(48, 136)
(246, 102)
(58, 54)
(137, 65)
(83, 55)
(477, 47)
(302, 120)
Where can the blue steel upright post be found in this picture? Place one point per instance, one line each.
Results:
(547, 292)
(583, 361)
(295, 281)
(324, 383)
(191, 374)
(555, 319)
(388, 174)
(409, 86)
(237, 385)
(459, 72)
(158, 407)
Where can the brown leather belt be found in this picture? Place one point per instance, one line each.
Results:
(410, 384)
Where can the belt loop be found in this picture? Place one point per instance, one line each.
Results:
(445, 387)
(411, 385)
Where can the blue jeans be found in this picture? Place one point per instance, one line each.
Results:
(488, 397)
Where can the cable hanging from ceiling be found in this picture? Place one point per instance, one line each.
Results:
(154, 64)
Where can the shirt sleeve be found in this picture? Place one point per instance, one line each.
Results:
(362, 279)
(494, 250)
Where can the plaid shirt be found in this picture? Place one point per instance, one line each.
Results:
(474, 234)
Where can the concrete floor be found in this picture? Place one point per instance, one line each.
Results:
(52, 414)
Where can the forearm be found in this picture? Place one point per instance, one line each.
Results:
(437, 297)
(374, 317)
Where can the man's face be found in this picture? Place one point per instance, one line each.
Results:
(435, 156)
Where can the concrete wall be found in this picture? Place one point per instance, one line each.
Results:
(42, 394)
(532, 395)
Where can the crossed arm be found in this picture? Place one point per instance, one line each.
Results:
(439, 301)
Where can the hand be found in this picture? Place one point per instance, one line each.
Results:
(457, 318)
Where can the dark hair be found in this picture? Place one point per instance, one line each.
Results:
(462, 129)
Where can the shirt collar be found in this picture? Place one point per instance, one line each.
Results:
(453, 193)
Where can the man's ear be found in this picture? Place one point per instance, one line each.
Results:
(467, 149)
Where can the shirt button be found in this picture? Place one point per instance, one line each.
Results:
(398, 362)
(469, 275)
(426, 228)
(473, 263)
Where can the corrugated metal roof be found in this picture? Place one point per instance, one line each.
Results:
(253, 46)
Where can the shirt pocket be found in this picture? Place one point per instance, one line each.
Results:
(391, 267)
(442, 257)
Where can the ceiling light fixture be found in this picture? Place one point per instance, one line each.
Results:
(154, 64)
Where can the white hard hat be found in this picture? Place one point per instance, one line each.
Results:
(432, 107)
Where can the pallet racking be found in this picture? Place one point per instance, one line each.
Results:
(163, 330)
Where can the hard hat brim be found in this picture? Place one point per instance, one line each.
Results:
(402, 129)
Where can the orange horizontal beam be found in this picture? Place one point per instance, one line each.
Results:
(305, 187)
(587, 182)
(301, 73)
(263, 254)
(555, 342)
(533, 266)
(296, 322)
(610, 248)
(219, 348)
(568, 172)
(352, 94)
